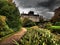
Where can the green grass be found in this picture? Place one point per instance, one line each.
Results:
(55, 27)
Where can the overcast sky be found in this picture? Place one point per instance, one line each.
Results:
(42, 7)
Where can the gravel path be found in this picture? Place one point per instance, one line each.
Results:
(16, 36)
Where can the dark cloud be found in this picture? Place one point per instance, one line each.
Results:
(40, 6)
(49, 4)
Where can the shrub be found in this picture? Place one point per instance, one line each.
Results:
(57, 24)
(9, 18)
(12, 14)
(4, 28)
(28, 23)
(6, 32)
(47, 25)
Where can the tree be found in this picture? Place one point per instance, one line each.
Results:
(56, 17)
(11, 12)
(4, 28)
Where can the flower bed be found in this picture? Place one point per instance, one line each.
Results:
(39, 37)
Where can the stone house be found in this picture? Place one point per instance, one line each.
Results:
(31, 16)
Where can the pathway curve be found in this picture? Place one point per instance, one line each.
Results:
(16, 36)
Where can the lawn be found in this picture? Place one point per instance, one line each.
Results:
(55, 27)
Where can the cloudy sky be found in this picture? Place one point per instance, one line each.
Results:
(41, 7)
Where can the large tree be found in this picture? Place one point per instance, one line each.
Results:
(11, 12)
(56, 17)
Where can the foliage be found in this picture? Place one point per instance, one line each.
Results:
(34, 27)
(56, 17)
(57, 24)
(9, 18)
(47, 25)
(11, 12)
(39, 37)
(54, 29)
(4, 28)
(41, 19)
(16, 43)
(28, 23)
